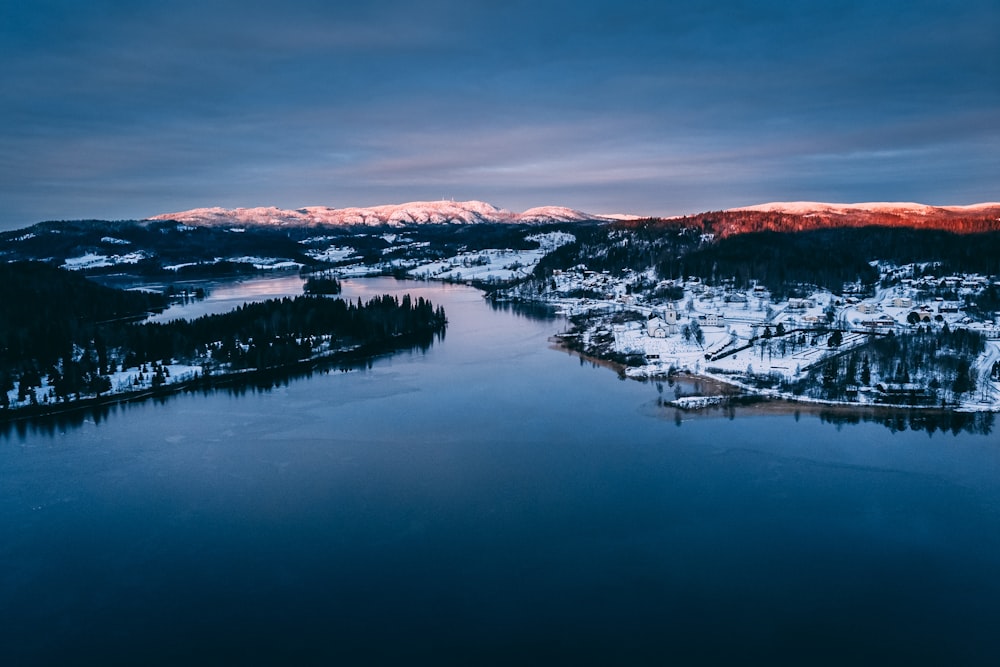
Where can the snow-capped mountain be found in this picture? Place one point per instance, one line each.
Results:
(439, 212)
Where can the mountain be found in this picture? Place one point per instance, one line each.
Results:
(805, 216)
(435, 212)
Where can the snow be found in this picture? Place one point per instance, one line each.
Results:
(493, 264)
(92, 260)
(695, 402)
(405, 246)
(265, 262)
(554, 214)
(624, 217)
(332, 254)
(114, 241)
(746, 341)
(420, 212)
(122, 382)
(488, 265)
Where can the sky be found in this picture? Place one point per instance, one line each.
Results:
(125, 109)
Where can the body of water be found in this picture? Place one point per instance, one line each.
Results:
(491, 500)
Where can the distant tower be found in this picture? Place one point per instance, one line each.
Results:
(670, 313)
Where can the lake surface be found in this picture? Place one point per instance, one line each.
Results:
(490, 501)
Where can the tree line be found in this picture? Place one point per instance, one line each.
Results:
(282, 331)
(61, 327)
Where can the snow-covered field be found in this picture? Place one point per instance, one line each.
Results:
(93, 260)
(493, 264)
(488, 265)
(332, 254)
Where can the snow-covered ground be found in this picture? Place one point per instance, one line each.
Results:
(746, 333)
(493, 264)
(131, 380)
(93, 260)
(488, 265)
(332, 254)
(266, 263)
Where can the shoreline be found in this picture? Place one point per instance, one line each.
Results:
(243, 377)
(733, 394)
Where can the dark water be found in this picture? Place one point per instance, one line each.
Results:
(492, 501)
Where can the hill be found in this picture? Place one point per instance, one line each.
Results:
(807, 216)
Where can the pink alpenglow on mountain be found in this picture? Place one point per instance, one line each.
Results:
(436, 212)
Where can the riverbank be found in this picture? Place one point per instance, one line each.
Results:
(200, 381)
(716, 391)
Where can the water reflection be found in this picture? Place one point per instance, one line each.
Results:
(896, 420)
(930, 421)
(224, 296)
(534, 311)
(253, 382)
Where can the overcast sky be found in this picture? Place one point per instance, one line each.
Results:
(125, 109)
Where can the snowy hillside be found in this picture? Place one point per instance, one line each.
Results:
(469, 212)
(896, 208)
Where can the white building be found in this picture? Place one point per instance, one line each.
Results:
(712, 320)
(656, 327)
(867, 307)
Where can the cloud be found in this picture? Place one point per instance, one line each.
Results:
(125, 109)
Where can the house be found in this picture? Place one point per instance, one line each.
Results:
(867, 307)
(712, 320)
(902, 302)
(656, 327)
(892, 392)
(800, 304)
(881, 322)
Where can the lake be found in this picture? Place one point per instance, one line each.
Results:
(490, 500)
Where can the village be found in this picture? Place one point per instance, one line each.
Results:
(747, 339)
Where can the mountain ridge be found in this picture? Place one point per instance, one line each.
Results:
(419, 212)
(808, 216)
(774, 216)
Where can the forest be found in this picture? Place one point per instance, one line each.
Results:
(74, 333)
(929, 366)
(44, 311)
(723, 224)
(786, 263)
(279, 332)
